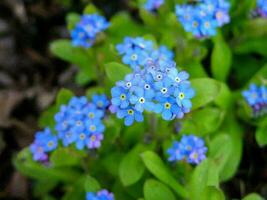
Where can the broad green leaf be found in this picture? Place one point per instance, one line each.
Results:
(225, 98)
(116, 71)
(148, 18)
(206, 90)
(235, 131)
(90, 9)
(91, 184)
(212, 193)
(259, 76)
(65, 157)
(261, 135)
(85, 60)
(253, 196)
(132, 168)
(221, 58)
(155, 190)
(220, 150)
(72, 19)
(203, 121)
(205, 174)
(252, 45)
(24, 163)
(76, 190)
(156, 166)
(196, 70)
(43, 187)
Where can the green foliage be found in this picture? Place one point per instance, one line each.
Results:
(221, 58)
(156, 166)
(155, 190)
(132, 161)
(116, 71)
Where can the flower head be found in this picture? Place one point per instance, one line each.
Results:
(85, 32)
(155, 86)
(44, 143)
(100, 195)
(192, 149)
(203, 18)
(152, 5)
(262, 8)
(80, 120)
(256, 97)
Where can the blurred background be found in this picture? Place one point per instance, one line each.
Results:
(30, 78)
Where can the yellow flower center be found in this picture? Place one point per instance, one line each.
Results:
(181, 95)
(130, 112)
(123, 97)
(92, 128)
(167, 105)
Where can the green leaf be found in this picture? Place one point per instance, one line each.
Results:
(72, 19)
(65, 157)
(220, 150)
(76, 191)
(155, 190)
(212, 193)
(116, 71)
(205, 174)
(261, 135)
(221, 58)
(85, 60)
(203, 121)
(90, 9)
(91, 184)
(156, 166)
(235, 131)
(253, 196)
(206, 90)
(252, 45)
(24, 163)
(131, 167)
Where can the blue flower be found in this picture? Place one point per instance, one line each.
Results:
(153, 86)
(142, 100)
(192, 149)
(100, 195)
(262, 8)
(252, 95)
(176, 152)
(101, 101)
(77, 121)
(120, 97)
(135, 57)
(203, 18)
(152, 5)
(168, 108)
(130, 115)
(85, 32)
(256, 97)
(183, 95)
(44, 143)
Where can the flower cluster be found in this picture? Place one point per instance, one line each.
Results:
(100, 195)
(78, 123)
(256, 97)
(155, 86)
(192, 149)
(203, 18)
(44, 143)
(152, 5)
(262, 8)
(85, 32)
(137, 51)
